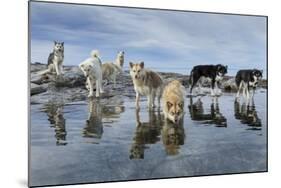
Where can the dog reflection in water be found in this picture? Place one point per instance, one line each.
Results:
(94, 127)
(173, 136)
(146, 133)
(55, 116)
(247, 114)
(100, 114)
(213, 117)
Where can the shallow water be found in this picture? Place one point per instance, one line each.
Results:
(97, 141)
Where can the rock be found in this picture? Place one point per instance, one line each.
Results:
(229, 85)
(36, 89)
(35, 67)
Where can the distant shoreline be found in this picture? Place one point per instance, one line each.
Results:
(185, 70)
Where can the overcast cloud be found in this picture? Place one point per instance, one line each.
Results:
(164, 40)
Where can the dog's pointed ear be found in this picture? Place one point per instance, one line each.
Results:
(261, 71)
(226, 67)
(55, 42)
(169, 105)
(62, 43)
(131, 64)
(142, 64)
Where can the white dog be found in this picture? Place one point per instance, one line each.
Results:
(111, 70)
(91, 68)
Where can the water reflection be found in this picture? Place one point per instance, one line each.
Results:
(214, 116)
(145, 133)
(99, 114)
(55, 116)
(173, 136)
(94, 127)
(247, 114)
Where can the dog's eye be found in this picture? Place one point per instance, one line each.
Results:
(138, 70)
(134, 70)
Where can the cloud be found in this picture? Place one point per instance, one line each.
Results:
(160, 38)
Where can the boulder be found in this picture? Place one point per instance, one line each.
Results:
(36, 89)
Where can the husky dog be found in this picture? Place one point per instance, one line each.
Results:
(173, 101)
(146, 82)
(55, 59)
(91, 68)
(246, 79)
(111, 70)
(213, 72)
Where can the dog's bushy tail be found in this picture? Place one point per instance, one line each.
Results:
(43, 72)
(95, 54)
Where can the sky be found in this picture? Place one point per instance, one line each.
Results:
(170, 41)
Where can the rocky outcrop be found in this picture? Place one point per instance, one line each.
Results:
(71, 86)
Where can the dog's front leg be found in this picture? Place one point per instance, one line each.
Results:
(137, 100)
(247, 88)
(91, 89)
(97, 88)
(217, 90)
(61, 68)
(100, 84)
(238, 91)
(57, 68)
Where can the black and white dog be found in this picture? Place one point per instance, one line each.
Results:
(55, 60)
(213, 72)
(246, 80)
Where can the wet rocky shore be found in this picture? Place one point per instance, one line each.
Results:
(71, 86)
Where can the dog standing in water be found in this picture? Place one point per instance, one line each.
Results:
(173, 101)
(91, 68)
(213, 72)
(246, 80)
(146, 82)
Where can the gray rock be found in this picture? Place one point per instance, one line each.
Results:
(36, 89)
(229, 85)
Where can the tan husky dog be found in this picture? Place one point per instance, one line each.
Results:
(173, 101)
(111, 70)
(146, 82)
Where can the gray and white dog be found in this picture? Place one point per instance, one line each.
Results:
(55, 59)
